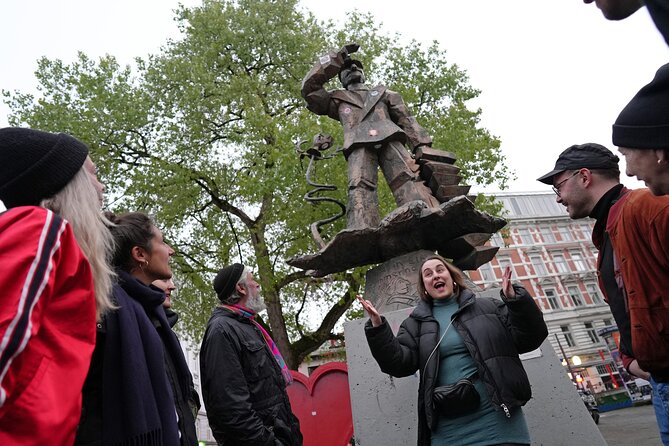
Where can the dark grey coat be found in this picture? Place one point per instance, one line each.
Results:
(494, 332)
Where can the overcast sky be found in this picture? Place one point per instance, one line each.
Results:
(552, 73)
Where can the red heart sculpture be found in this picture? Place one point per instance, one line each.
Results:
(322, 403)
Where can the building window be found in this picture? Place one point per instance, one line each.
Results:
(514, 206)
(497, 240)
(505, 261)
(586, 229)
(607, 322)
(486, 273)
(552, 299)
(575, 295)
(593, 291)
(568, 338)
(565, 234)
(592, 333)
(538, 264)
(579, 263)
(603, 371)
(525, 237)
(560, 263)
(547, 234)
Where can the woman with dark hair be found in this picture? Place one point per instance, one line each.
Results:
(138, 386)
(472, 382)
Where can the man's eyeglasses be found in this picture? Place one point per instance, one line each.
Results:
(557, 187)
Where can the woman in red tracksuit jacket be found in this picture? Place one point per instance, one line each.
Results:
(48, 302)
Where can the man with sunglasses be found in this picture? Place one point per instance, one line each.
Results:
(632, 235)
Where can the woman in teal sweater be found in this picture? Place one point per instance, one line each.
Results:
(453, 335)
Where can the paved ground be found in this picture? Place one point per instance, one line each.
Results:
(634, 426)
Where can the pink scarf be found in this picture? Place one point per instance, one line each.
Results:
(238, 309)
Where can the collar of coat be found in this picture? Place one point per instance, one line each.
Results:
(360, 98)
(423, 310)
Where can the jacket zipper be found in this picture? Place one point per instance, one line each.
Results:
(502, 405)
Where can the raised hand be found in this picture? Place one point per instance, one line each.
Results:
(373, 314)
(349, 48)
(507, 288)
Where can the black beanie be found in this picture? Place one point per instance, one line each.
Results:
(644, 122)
(226, 279)
(35, 165)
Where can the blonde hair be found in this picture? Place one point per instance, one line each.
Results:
(78, 203)
(456, 274)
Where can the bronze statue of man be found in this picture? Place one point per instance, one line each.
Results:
(377, 125)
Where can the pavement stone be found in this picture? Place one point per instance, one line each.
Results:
(632, 426)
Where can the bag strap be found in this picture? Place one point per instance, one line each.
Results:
(437, 346)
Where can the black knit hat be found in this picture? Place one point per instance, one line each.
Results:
(582, 156)
(644, 122)
(35, 165)
(226, 279)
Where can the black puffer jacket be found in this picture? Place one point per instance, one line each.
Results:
(243, 389)
(494, 331)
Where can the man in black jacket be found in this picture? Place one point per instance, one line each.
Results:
(244, 377)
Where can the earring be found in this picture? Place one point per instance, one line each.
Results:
(143, 265)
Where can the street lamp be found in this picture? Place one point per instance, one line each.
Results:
(565, 361)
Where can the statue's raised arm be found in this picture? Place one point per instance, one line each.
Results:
(327, 67)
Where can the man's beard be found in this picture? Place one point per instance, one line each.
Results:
(255, 303)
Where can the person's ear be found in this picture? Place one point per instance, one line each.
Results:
(139, 254)
(585, 176)
(241, 290)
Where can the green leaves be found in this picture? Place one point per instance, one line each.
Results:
(202, 135)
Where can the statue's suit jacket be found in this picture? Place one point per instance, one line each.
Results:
(369, 117)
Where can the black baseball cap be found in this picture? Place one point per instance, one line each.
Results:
(582, 156)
